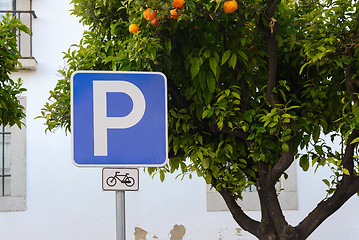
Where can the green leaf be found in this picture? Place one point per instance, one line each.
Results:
(356, 112)
(205, 113)
(220, 124)
(230, 148)
(195, 67)
(331, 160)
(207, 53)
(205, 163)
(236, 95)
(211, 82)
(279, 40)
(326, 182)
(233, 61)
(256, 155)
(355, 140)
(247, 117)
(216, 56)
(316, 133)
(226, 56)
(319, 149)
(202, 78)
(162, 175)
(270, 144)
(321, 48)
(346, 171)
(302, 68)
(168, 47)
(200, 155)
(285, 147)
(242, 54)
(191, 5)
(213, 64)
(304, 162)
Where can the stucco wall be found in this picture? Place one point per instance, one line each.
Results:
(66, 203)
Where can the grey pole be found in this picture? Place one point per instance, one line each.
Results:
(120, 216)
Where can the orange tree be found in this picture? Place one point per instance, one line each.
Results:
(249, 91)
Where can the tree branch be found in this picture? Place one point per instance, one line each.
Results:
(247, 223)
(268, 196)
(283, 164)
(270, 36)
(267, 226)
(348, 162)
(348, 186)
(272, 7)
(261, 28)
(272, 67)
(326, 208)
(266, 221)
(244, 94)
(349, 73)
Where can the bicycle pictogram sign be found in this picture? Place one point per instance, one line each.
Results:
(120, 179)
(123, 178)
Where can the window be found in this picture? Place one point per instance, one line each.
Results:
(5, 163)
(287, 194)
(12, 167)
(22, 10)
(6, 5)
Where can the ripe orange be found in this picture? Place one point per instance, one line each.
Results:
(155, 22)
(178, 3)
(133, 28)
(230, 6)
(174, 13)
(149, 14)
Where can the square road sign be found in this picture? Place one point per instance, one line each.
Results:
(119, 119)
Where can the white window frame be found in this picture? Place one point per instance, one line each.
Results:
(16, 200)
(287, 195)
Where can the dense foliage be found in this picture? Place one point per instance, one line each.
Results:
(249, 92)
(11, 111)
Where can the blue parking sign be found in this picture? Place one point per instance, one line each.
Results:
(119, 118)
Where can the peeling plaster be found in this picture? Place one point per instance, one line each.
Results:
(177, 232)
(140, 234)
(239, 232)
(230, 233)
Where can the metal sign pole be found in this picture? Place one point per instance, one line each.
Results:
(120, 216)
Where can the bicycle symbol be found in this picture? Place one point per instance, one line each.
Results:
(127, 180)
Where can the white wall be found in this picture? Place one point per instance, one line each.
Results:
(66, 203)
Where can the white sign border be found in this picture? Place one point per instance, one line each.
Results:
(119, 165)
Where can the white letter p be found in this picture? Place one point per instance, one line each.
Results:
(102, 122)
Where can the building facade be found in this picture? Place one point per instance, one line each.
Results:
(49, 198)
